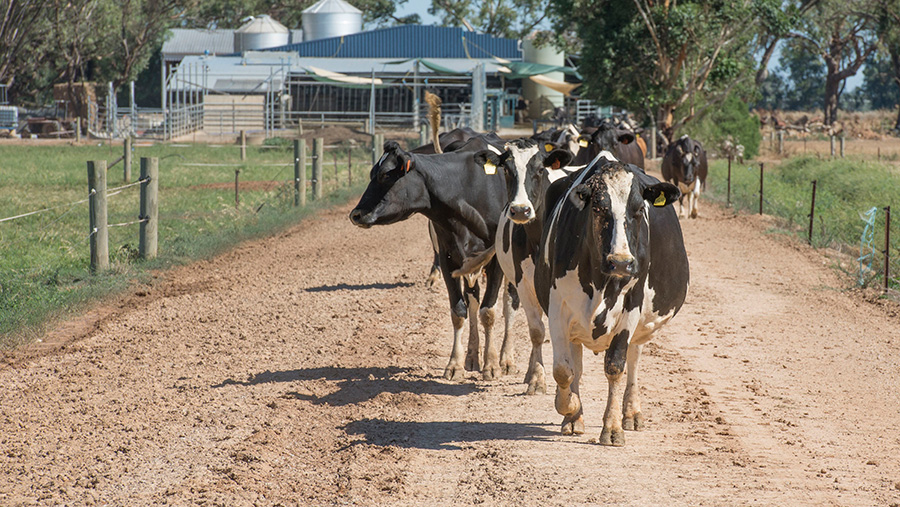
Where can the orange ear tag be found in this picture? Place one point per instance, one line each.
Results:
(555, 164)
(407, 165)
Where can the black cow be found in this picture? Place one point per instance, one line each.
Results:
(611, 270)
(463, 199)
(685, 166)
(620, 142)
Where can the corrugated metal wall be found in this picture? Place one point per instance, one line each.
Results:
(411, 41)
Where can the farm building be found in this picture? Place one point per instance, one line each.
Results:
(264, 76)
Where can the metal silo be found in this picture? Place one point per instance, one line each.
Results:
(542, 98)
(331, 18)
(261, 32)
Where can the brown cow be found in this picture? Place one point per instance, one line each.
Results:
(685, 166)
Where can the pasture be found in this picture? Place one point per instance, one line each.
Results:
(44, 258)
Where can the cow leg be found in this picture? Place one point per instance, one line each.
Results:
(695, 200)
(473, 360)
(534, 377)
(614, 365)
(632, 419)
(458, 311)
(507, 350)
(567, 373)
(491, 369)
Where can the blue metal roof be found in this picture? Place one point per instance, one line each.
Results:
(409, 41)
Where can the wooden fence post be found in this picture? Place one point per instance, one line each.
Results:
(149, 228)
(842, 146)
(77, 126)
(337, 181)
(243, 145)
(781, 142)
(812, 212)
(831, 138)
(299, 172)
(423, 134)
(760, 188)
(887, 247)
(349, 167)
(237, 193)
(126, 159)
(318, 158)
(99, 237)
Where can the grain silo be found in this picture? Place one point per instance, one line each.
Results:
(542, 98)
(260, 32)
(331, 18)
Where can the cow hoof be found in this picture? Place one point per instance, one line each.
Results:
(472, 363)
(454, 373)
(536, 384)
(507, 368)
(694, 214)
(615, 438)
(491, 372)
(634, 423)
(572, 426)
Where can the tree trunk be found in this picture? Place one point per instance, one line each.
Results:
(894, 51)
(832, 93)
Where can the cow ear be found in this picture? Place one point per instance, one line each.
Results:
(558, 158)
(626, 138)
(391, 146)
(580, 196)
(488, 160)
(661, 194)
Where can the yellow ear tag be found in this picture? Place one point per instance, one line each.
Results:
(583, 142)
(548, 147)
(490, 168)
(661, 200)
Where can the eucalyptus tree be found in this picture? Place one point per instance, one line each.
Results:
(888, 29)
(501, 18)
(843, 34)
(18, 29)
(670, 60)
(233, 13)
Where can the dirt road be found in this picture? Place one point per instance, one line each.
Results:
(306, 370)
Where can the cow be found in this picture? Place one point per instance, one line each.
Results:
(620, 142)
(611, 270)
(685, 166)
(463, 200)
(530, 168)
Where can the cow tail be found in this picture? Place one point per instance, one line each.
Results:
(474, 264)
(434, 117)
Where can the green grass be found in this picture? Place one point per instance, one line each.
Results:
(44, 258)
(846, 188)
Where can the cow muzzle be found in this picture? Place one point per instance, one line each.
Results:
(358, 218)
(621, 265)
(520, 214)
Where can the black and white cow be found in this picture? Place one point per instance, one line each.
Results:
(611, 270)
(530, 168)
(463, 200)
(607, 137)
(685, 165)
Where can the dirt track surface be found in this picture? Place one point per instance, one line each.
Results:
(306, 369)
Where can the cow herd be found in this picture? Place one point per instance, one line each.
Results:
(569, 226)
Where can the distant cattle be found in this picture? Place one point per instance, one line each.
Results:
(685, 165)
(463, 200)
(611, 270)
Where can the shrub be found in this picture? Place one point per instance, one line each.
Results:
(733, 119)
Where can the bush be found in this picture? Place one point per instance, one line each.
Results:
(733, 119)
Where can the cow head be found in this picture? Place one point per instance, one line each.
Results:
(523, 163)
(619, 197)
(395, 190)
(688, 155)
(606, 137)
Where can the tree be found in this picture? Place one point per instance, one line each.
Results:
(888, 29)
(776, 18)
(666, 59)
(842, 34)
(18, 27)
(501, 18)
(233, 13)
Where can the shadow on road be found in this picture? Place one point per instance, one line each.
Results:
(355, 385)
(441, 435)
(368, 286)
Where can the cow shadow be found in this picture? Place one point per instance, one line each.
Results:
(368, 286)
(441, 435)
(355, 385)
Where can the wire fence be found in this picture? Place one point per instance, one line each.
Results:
(839, 204)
